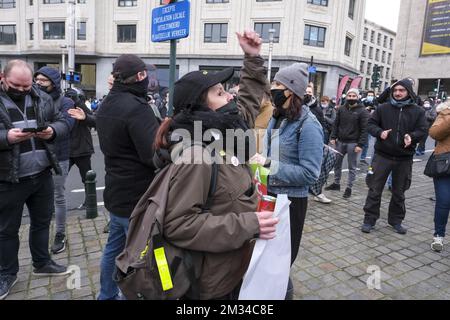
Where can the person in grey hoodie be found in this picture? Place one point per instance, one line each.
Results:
(49, 80)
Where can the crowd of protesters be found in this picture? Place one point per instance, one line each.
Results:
(44, 132)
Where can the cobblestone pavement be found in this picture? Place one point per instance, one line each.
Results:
(333, 261)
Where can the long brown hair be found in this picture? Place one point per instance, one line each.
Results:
(161, 135)
(294, 111)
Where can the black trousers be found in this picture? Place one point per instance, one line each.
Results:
(38, 195)
(401, 182)
(83, 164)
(297, 212)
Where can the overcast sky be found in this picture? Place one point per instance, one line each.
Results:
(383, 12)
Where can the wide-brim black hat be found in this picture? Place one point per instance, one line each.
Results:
(190, 88)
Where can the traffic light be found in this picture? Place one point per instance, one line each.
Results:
(73, 77)
(376, 77)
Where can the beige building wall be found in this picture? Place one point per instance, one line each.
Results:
(103, 17)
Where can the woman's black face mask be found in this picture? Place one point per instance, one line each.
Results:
(279, 98)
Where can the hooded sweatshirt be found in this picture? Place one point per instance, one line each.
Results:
(63, 104)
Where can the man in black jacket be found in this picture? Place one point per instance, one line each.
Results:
(398, 126)
(349, 136)
(126, 128)
(81, 145)
(26, 157)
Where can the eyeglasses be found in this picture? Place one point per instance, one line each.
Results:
(41, 80)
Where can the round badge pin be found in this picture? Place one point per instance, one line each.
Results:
(235, 162)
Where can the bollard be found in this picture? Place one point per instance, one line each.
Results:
(91, 195)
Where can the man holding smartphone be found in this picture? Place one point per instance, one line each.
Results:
(25, 177)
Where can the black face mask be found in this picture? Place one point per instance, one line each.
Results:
(44, 88)
(143, 85)
(230, 107)
(279, 98)
(352, 102)
(16, 95)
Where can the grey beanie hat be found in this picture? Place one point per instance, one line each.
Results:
(295, 78)
(354, 90)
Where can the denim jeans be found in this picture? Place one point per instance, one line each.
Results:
(37, 194)
(442, 188)
(118, 230)
(60, 197)
(365, 151)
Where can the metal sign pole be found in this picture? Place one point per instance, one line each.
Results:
(172, 74)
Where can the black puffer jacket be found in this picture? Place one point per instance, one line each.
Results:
(351, 125)
(409, 119)
(47, 115)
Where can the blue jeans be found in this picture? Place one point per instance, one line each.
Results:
(442, 188)
(118, 230)
(365, 151)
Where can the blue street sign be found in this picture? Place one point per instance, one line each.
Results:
(312, 69)
(171, 22)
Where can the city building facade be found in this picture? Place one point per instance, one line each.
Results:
(329, 32)
(378, 47)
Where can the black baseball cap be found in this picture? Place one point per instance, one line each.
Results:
(128, 65)
(189, 88)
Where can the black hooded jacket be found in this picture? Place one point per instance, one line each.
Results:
(402, 120)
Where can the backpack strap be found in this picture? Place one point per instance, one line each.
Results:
(212, 185)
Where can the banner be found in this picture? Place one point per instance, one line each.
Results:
(341, 89)
(436, 35)
(355, 83)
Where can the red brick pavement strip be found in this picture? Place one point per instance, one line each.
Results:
(332, 263)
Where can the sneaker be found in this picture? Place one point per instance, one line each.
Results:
(348, 193)
(438, 244)
(363, 161)
(60, 243)
(322, 199)
(6, 284)
(51, 269)
(399, 229)
(333, 187)
(367, 228)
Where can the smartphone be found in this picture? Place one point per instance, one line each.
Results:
(34, 130)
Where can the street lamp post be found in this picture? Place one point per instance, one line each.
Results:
(71, 45)
(271, 40)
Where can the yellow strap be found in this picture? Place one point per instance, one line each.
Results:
(163, 268)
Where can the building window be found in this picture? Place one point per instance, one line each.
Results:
(54, 30)
(364, 50)
(7, 4)
(383, 57)
(389, 58)
(348, 46)
(371, 53)
(385, 41)
(31, 30)
(351, 9)
(372, 36)
(366, 33)
(263, 29)
(81, 30)
(217, 1)
(126, 33)
(369, 68)
(362, 65)
(379, 39)
(7, 34)
(53, 1)
(216, 33)
(377, 55)
(323, 3)
(127, 3)
(391, 44)
(314, 36)
(388, 73)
